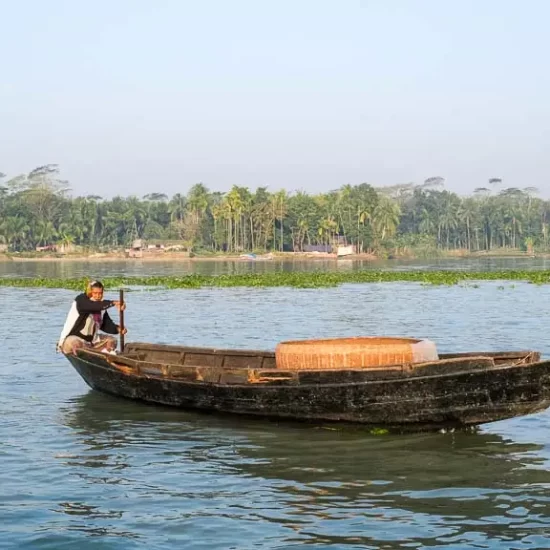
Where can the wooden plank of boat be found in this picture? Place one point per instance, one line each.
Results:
(184, 355)
(460, 390)
(222, 374)
(220, 357)
(523, 357)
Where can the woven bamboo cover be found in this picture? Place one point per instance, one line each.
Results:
(353, 353)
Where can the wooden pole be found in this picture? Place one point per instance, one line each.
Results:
(121, 321)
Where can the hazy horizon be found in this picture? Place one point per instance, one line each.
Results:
(131, 98)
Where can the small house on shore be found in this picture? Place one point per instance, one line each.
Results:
(140, 248)
(60, 248)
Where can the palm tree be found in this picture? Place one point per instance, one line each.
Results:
(511, 214)
(466, 212)
(386, 217)
(279, 208)
(176, 207)
(328, 229)
(344, 208)
(197, 201)
(261, 217)
(364, 216)
(15, 231)
(448, 217)
(234, 208)
(426, 225)
(45, 232)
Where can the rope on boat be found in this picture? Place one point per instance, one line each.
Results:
(529, 358)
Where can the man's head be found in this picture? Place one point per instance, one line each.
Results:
(94, 290)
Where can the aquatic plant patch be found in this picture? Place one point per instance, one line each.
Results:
(314, 279)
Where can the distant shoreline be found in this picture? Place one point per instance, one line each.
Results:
(279, 256)
(178, 257)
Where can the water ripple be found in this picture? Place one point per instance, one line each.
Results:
(80, 469)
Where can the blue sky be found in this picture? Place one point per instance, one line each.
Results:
(135, 96)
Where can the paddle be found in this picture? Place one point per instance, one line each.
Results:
(121, 321)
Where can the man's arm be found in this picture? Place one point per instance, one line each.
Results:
(85, 305)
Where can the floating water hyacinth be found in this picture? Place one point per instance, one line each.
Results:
(314, 279)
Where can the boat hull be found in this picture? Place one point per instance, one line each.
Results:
(469, 396)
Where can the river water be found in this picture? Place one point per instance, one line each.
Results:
(82, 470)
(59, 269)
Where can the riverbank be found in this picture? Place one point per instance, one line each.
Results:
(179, 257)
(273, 256)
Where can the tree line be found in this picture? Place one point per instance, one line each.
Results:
(36, 209)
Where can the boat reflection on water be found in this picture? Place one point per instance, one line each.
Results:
(325, 485)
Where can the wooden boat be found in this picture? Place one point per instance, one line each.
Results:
(459, 389)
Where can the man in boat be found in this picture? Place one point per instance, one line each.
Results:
(87, 317)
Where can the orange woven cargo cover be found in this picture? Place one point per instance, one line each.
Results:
(353, 353)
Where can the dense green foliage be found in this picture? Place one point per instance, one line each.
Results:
(315, 279)
(35, 210)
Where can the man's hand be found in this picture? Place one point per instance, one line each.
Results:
(119, 305)
(122, 331)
